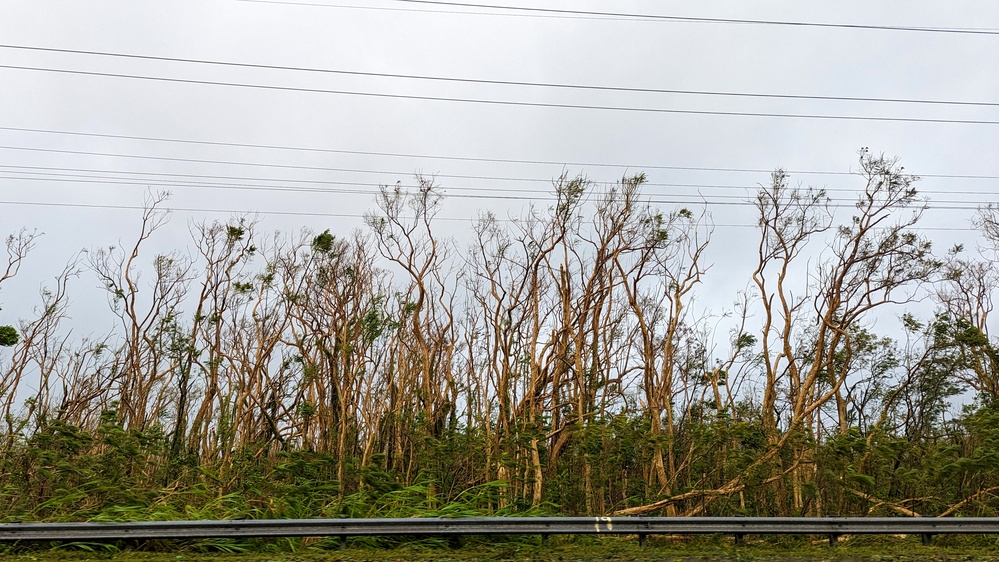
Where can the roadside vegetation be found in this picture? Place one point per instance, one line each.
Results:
(677, 549)
(553, 363)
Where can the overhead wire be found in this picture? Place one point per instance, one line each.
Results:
(192, 210)
(954, 205)
(269, 212)
(507, 103)
(430, 10)
(452, 79)
(691, 19)
(57, 171)
(117, 75)
(499, 9)
(209, 180)
(254, 164)
(413, 156)
(461, 193)
(674, 199)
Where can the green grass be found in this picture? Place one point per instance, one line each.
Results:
(561, 549)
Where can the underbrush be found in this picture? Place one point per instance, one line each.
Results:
(682, 548)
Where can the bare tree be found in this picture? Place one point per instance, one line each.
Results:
(421, 383)
(876, 259)
(33, 360)
(145, 367)
(338, 316)
(659, 273)
(18, 245)
(225, 250)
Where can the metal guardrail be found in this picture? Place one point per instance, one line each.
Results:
(832, 527)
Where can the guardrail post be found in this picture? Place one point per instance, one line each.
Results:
(833, 537)
(544, 539)
(739, 539)
(343, 542)
(927, 538)
(642, 537)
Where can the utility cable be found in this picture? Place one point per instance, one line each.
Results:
(268, 212)
(209, 180)
(623, 166)
(507, 103)
(690, 19)
(592, 14)
(432, 10)
(544, 197)
(450, 79)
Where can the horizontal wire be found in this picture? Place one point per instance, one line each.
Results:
(508, 103)
(622, 16)
(434, 11)
(653, 199)
(51, 171)
(690, 19)
(237, 163)
(35, 170)
(498, 82)
(191, 210)
(349, 215)
(414, 156)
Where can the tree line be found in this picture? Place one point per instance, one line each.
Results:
(555, 362)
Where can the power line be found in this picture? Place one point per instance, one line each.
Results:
(298, 167)
(536, 196)
(706, 200)
(337, 215)
(449, 79)
(380, 154)
(688, 19)
(507, 103)
(47, 171)
(434, 11)
(188, 210)
(199, 180)
(656, 17)
(259, 164)
(405, 155)
(344, 189)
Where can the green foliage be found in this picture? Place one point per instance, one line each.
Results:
(745, 341)
(323, 243)
(375, 322)
(8, 336)
(117, 474)
(332, 391)
(235, 233)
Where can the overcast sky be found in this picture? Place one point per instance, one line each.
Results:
(64, 134)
